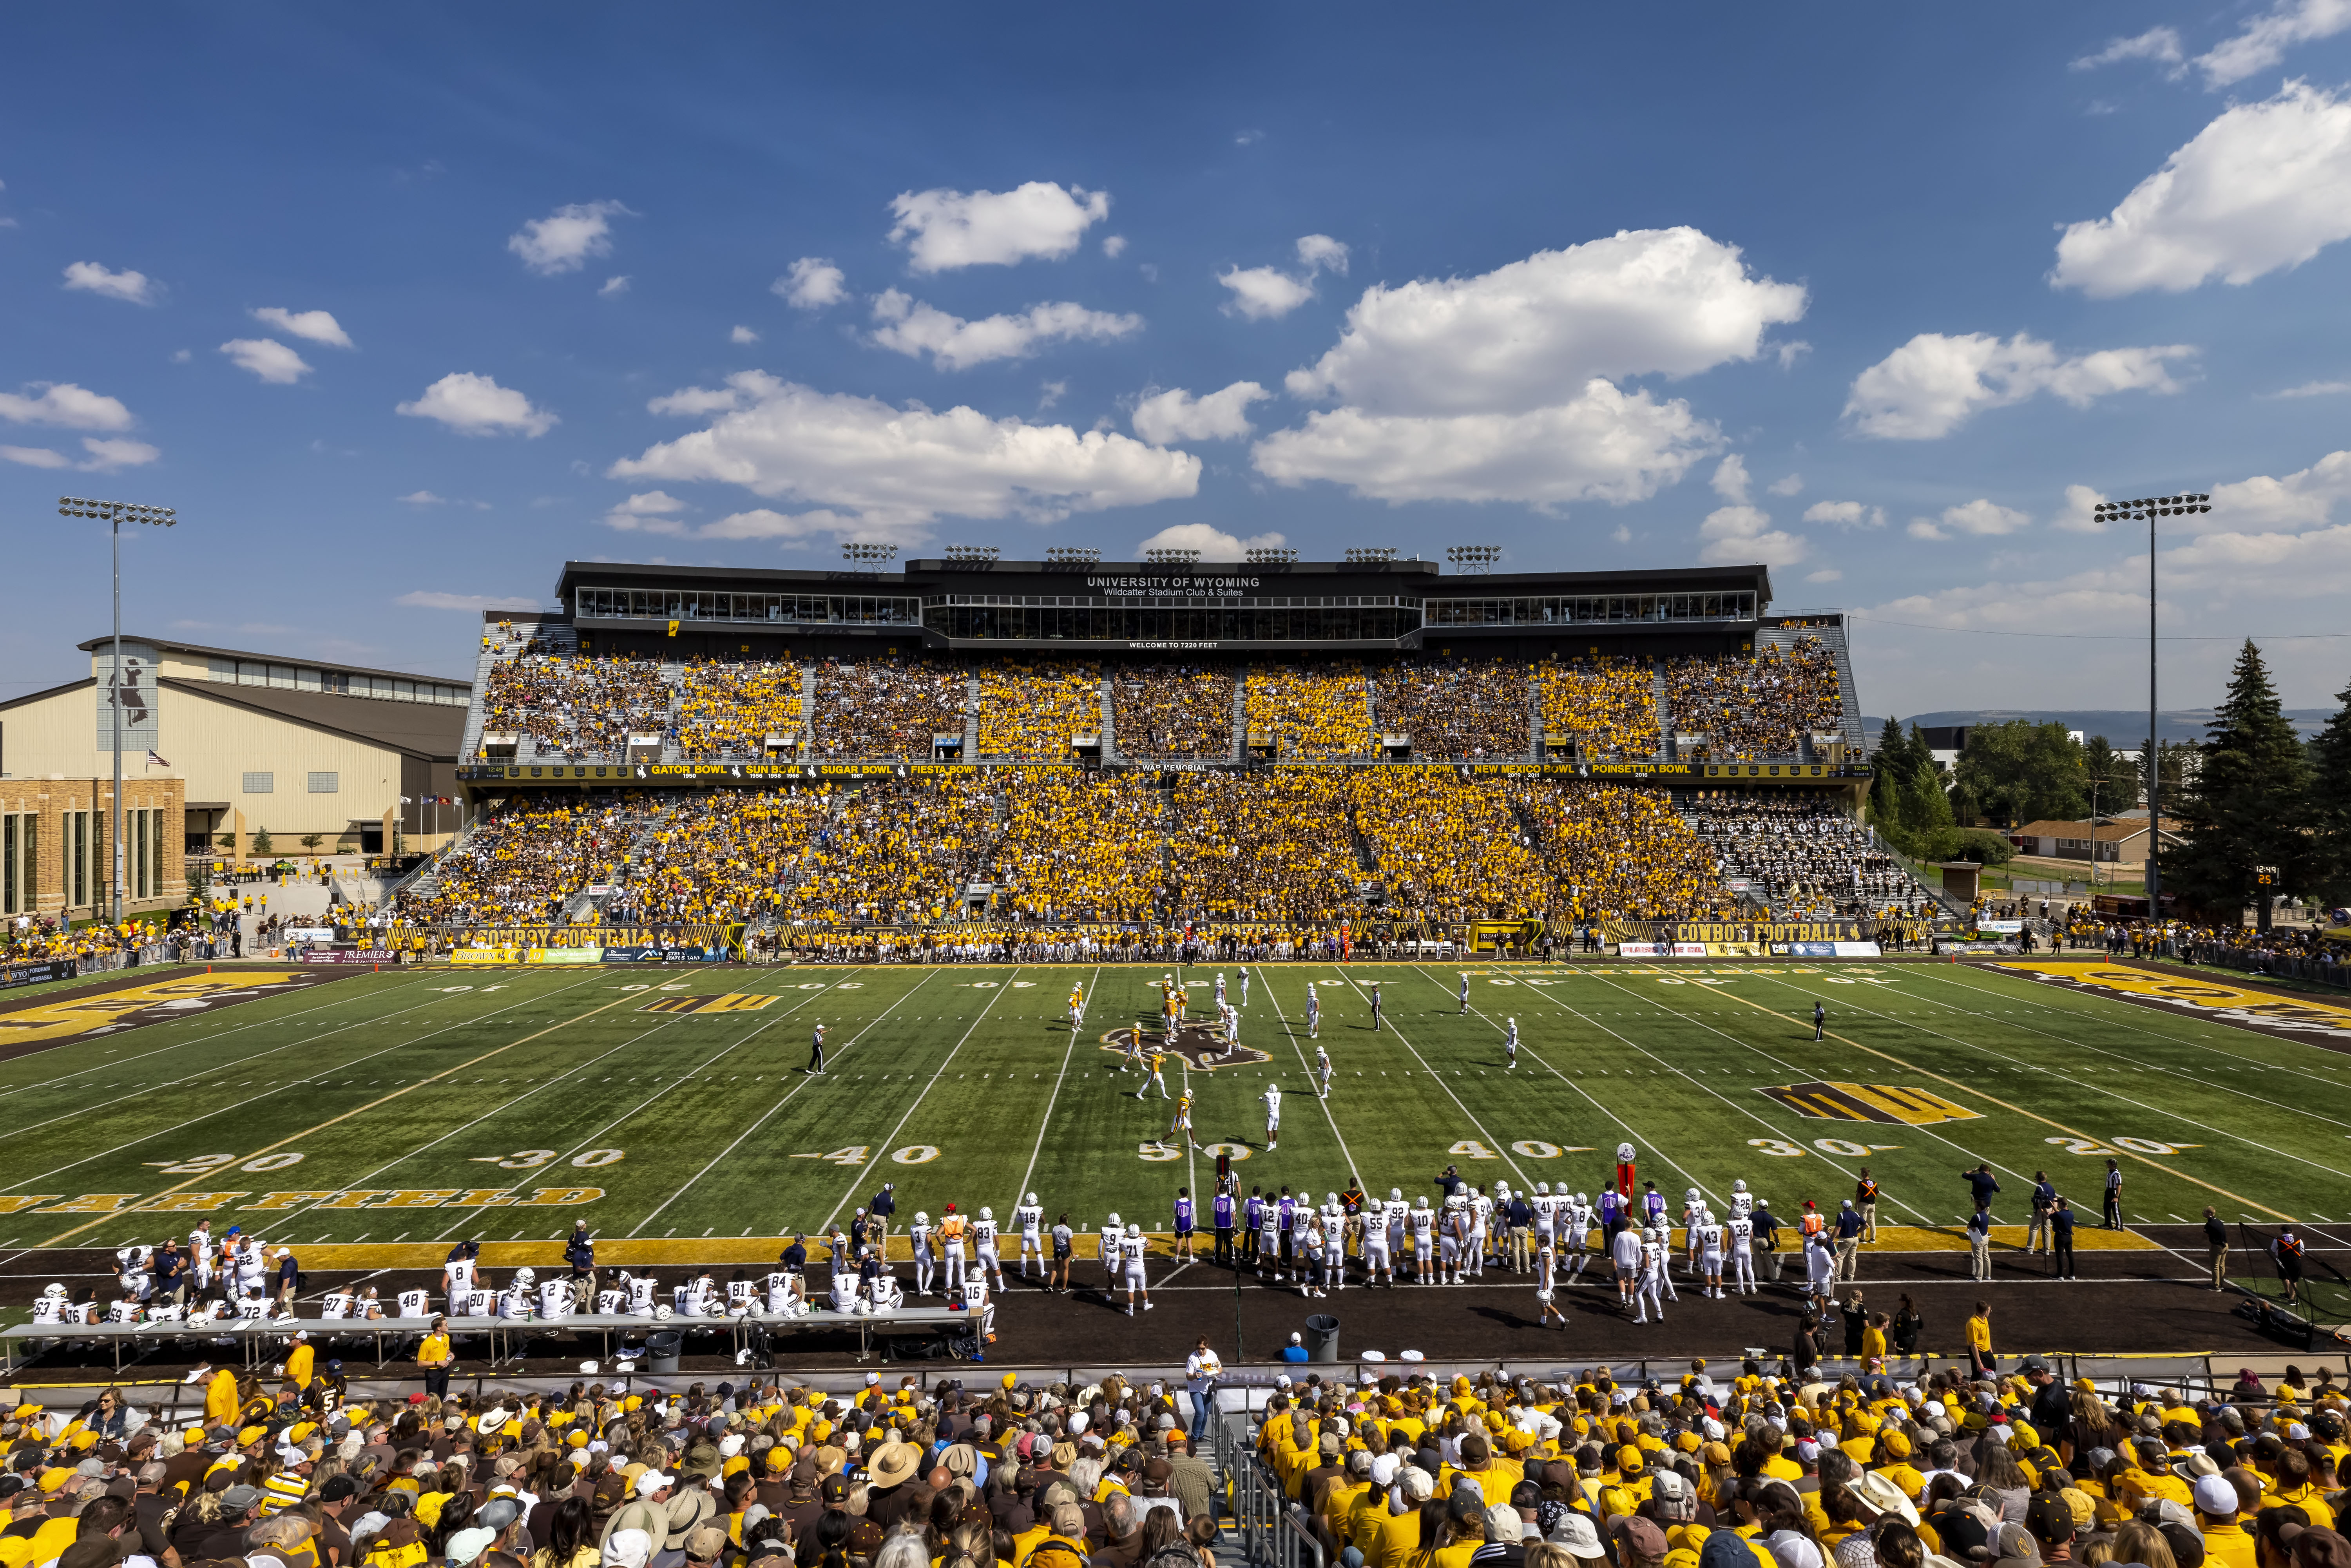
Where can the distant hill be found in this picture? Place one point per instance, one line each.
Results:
(2123, 728)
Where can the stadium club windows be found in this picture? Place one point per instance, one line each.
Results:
(1591, 608)
(1053, 617)
(746, 608)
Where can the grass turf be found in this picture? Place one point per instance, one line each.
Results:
(425, 1106)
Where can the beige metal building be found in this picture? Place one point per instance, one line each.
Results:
(297, 746)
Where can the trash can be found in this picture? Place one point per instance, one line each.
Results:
(660, 1352)
(1321, 1337)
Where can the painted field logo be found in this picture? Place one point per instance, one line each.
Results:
(1199, 1044)
(1869, 1102)
(733, 1002)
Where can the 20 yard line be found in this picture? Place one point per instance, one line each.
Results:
(1000, 990)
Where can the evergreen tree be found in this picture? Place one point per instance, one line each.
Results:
(2329, 808)
(2246, 805)
(1927, 812)
(2115, 776)
(1892, 761)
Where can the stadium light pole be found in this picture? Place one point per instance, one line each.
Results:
(115, 514)
(2146, 510)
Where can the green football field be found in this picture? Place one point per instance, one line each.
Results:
(421, 1105)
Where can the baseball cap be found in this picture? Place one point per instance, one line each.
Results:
(338, 1488)
(2051, 1519)
(2216, 1496)
(238, 1498)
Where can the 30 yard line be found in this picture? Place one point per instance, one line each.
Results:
(382, 1100)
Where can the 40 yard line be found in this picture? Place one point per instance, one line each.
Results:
(1045, 1123)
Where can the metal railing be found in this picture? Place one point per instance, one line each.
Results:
(1270, 1527)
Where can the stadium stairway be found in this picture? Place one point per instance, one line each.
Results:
(971, 718)
(1832, 636)
(1241, 716)
(808, 709)
(1662, 704)
(424, 877)
(1109, 737)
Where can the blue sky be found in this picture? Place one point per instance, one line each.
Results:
(402, 307)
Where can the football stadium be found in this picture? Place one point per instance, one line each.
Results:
(972, 958)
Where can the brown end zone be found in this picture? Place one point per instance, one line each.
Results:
(143, 996)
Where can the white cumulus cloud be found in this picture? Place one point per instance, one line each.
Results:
(1657, 300)
(105, 455)
(742, 335)
(1787, 484)
(1260, 292)
(1212, 542)
(944, 229)
(2314, 389)
(2160, 45)
(1845, 515)
(474, 405)
(913, 328)
(655, 512)
(566, 239)
(2264, 41)
(310, 325)
(266, 358)
(1936, 383)
(1979, 518)
(875, 466)
(2079, 515)
(1736, 535)
(1605, 445)
(1114, 245)
(811, 283)
(2266, 185)
(1321, 253)
(65, 404)
(90, 277)
(1163, 418)
(614, 287)
(1498, 387)
(1826, 574)
(1731, 480)
(2299, 501)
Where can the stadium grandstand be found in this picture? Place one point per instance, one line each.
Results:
(1283, 751)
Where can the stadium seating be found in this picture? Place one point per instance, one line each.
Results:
(1030, 708)
(1313, 711)
(1173, 712)
(583, 709)
(1807, 858)
(1466, 709)
(522, 865)
(1275, 847)
(884, 708)
(1621, 854)
(1607, 707)
(1760, 708)
(729, 710)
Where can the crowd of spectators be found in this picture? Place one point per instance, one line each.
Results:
(1030, 708)
(1464, 709)
(1620, 854)
(1759, 708)
(581, 708)
(1079, 845)
(523, 865)
(1313, 712)
(885, 709)
(1607, 707)
(1169, 713)
(1444, 849)
(1806, 859)
(1274, 847)
(729, 709)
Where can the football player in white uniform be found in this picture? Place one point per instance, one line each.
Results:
(1453, 1239)
(1465, 994)
(1742, 1256)
(1322, 1072)
(1482, 1216)
(1693, 1205)
(1269, 1240)
(1742, 1202)
(918, 1237)
(1511, 1041)
(1131, 1250)
(458, 1279)
(640, 1288)
(1709, 1251)
(1547, 1285)
(1031, 1217)
(1112, 1251)
(1335, 1226)
(1377, 1267)
(1575, 1223)
(1546, 1207)
(1655, 1254)
(515, 1301)
(1272, 1098)
(1220, 990)
(983, 1245)
(1244, 988)
(1313, 1012)
(1423, 1223)
(1399, 1221)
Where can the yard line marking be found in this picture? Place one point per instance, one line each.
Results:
(1449, 1092)
(1047, 1121)
(208, 1040)
(213, 1067)
(2177, 1072)
(805, 1079)
(1613, 1115)
(1739, 1106)
(2005, 1105)
(2039, 990)
(1345, 1152)
(233, 1105)
(381, 1100)
(992, 998)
